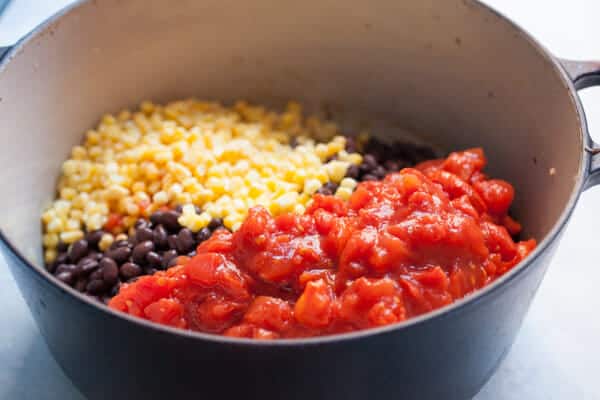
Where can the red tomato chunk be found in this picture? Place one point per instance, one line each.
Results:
(401, 247)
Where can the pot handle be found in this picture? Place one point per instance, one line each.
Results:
(584, 74)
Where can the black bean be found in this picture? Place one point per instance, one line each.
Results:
(119, 243)
(370, 160)
(78, 250)
(65, 277)
(351, 146)
(80, 284)
(353, 171)
(86, 260)
(369, 177)
(167, 256)
(379, 172)
(107, 262)
(328, 189)
(324, 191)
(364, 168)
(61, 258)
(51, 267)
(156, 217)
(197, 209)
(172, 240)
(89, 266)
(215, 223)
(141, 223)
(179, 208)
(93, 237)
(139, 252)
(95, 286)
(62, 247)
(143, 234)
(113, 291)
(96, 275)
(159, 237)
(120, 254)
(149, 270)
(191, 253)
(169, 220)
(132, 241)
(130, 270)
(185, 241)
(110, 273)
(202, 235)
(154, 260)
(71, 268)
(391, 165)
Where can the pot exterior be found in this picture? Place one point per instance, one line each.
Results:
(450, 356)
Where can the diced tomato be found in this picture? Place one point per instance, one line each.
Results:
(113, 222)
(414, 242)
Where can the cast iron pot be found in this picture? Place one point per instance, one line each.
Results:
(453, 72)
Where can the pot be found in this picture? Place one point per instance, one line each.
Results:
(454, 73)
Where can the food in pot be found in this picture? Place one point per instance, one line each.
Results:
(394, 249)
(146, 187)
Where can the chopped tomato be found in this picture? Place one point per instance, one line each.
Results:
(401, 247)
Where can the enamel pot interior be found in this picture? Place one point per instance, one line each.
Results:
(450, 73)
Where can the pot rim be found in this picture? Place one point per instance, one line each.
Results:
(448, 311)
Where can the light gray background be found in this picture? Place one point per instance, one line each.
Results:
(557, 352)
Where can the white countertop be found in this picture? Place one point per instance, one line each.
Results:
(557, 352)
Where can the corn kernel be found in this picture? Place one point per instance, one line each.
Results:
(94, 222)
(286, 202)
(48, 216)
(299, 209)
(349, 183)
(116, 192)
(69, 237)
(174, 190)
(72, 225)
(311, 186)
(354, 158)
(105, 241)
(50, 256)
(132, 209)
(231, 220)
(55, 226)
(343, 193)
(50, 240)
(188, 209)
(336, 170)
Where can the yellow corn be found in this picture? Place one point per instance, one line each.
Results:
(194, 153)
